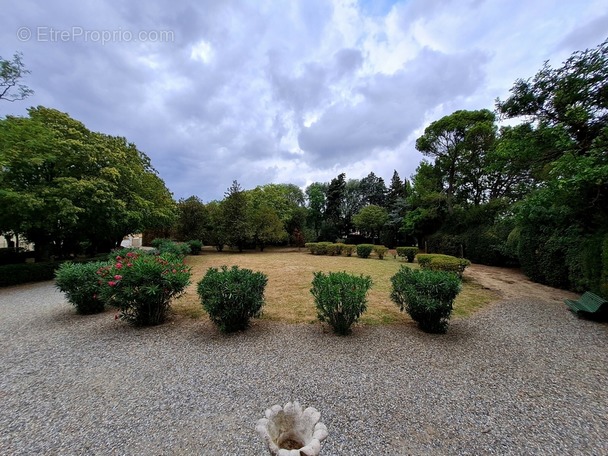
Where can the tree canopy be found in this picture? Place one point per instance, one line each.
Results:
(66, 188)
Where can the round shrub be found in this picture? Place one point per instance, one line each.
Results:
(380, 250)
(348, 249)
(195, 245)
(364, 250)
(80, 283)
(232, 297)
(439, 262)
(340, 298)
(142, 286)
(407, 252)
(426, 295)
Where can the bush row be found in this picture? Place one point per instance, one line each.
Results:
(163, 245)
(16, 274)
(336, 249)
(142, 286)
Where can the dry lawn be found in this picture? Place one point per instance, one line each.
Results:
(290, 274)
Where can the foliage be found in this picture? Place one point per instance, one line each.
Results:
(340, 298)
(459, 143)
(142, 286)
(80, 283)
(380, 250)
(348, 249)
(234, 208)
(15, 274)
(439, 262)
(164, 245)
(265, 226)
(62, 185)
(364, 250)
(427, 296)
(192, 219)
(232, 297)
(11, 73)
(371, 219)
(407, 252)
(195, 245)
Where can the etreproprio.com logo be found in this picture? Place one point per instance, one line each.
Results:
(45, 34)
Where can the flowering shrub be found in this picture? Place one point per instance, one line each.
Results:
(142, 286)
(232, 296)
(340, 298)
(79, 282)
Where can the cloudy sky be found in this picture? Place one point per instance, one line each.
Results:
(283, 91)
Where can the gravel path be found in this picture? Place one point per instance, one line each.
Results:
(520, 377)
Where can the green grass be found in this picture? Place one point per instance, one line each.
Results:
(290, 274)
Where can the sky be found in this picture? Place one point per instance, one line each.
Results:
(292, 91)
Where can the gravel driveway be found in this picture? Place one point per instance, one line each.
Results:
(520, 377)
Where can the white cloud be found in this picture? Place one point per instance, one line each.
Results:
(293, 91)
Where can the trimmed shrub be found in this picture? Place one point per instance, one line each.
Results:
(195, 245)
(158, 241)
(15, 274)
(323, 248)
(447, 263)
(380, 250)
(339, 247)
(332, 249)
(427, 296)
(232, 297)
(364, 250)
(340, 298)
(142, 286)
(81, 285)
(348, 249)
(312, 247)
(407, 252)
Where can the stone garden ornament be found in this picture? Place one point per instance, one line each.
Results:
(291, 431)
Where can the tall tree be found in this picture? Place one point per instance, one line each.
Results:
(316, 197)
(192, 219)
(236, 224)
(370, 220)
(63, 186)
(457, 143)
(334, 198)
(373, 190)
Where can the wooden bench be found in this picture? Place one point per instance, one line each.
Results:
(587, 304)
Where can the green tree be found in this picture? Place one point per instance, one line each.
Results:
(215, 229)
(192, 219)
(266, 226)
(373, 190)
(316, 198)
(11, 73)
(333, 205)
(458, 143)
(65, 187)
(236, 223)
(371, 219)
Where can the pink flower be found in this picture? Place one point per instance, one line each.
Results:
(94, 296)
(118, 265)
(118, 258)
(174, 271)
(111, 283)
(130, 254)
(118, 277)
(129, 265)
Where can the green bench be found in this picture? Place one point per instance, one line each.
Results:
(588, 303)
